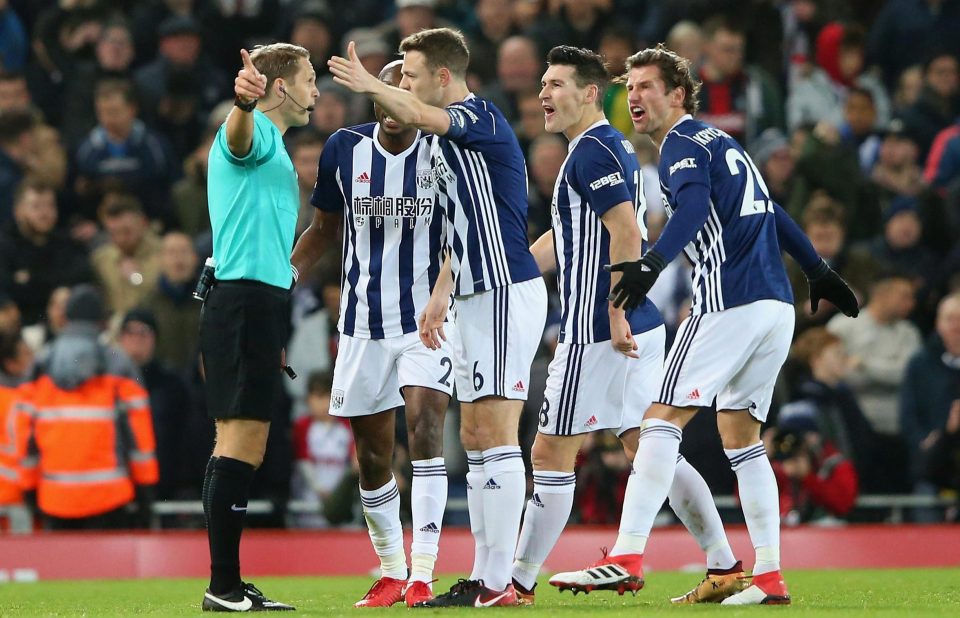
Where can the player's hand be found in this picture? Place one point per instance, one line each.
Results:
(621, 337)
(431, 322)
(349, 72)
(827, 285)
(638, 277)
(250, 84)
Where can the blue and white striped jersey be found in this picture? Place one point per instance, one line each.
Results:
(736, 255)
(393, 233)
(600, 171)
(481, 179)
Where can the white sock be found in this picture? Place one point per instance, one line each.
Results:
(691, 500)
(503, 494)
(427, 500)
(647, 488)
(475, 481)
(760, 501)
(381, 509)
(546, 515)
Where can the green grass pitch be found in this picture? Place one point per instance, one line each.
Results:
(893, 592)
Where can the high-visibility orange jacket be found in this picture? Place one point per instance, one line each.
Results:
(84, 449)
(9, 477)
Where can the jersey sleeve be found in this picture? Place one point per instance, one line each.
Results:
(259, 143)
(684, 162)
(600, 177)
(327, 195)
(471, 124)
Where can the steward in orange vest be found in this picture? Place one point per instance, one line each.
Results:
(16, 362)
(83, 428)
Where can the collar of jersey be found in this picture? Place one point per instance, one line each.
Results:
(386, 153)
(680, 120)
(576, 140)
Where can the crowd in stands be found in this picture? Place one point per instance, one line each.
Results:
(850, 109)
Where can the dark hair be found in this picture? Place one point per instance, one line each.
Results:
(9, 346)
(12, 76)
(31, 183)
(14, 123)
(853, 36)
(441, 47)
(823, 210)
(113, 86)
(862, 92)
(116, 204)
(589, 68)
(319, 383)
(278, 60)
(674, 70)
(308, 136)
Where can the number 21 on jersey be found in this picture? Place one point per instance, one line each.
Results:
(754, 184)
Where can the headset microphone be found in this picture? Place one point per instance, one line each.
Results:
(295, 102)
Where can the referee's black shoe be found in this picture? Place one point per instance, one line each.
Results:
(464, 593)
(247, 598)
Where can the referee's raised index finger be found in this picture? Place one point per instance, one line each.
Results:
(247, 62)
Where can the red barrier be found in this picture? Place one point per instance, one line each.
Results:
(184, 554)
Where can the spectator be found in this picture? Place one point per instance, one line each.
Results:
(547, 154)
(897, 170)
(311, 29)
(529, 125)
(127, 266)
(686, 38)
(412, 16)
(943, 163)
(519, 67)
(602, 480)
(113, 58)
(772, 155)
(331, 108)
(145, 16)
(17, 147)
(494, 25)
(324, 454)
(857, 129)
(906, 31)
(570, 22)
(9, 315)
(943, 467)
(35, 256)
(823, 222)
(171, 302)
(936, 106)
(909, 87)
(14, 44)
(189, 194)
(899, 247)
(122, 149)
(14, 93)
(841, 52)
(169, 401)
(821, 392)
(815, 480)
(616, 45)
(16, 365)
(738, 99)
(54, 319)
(305, 153)
(373, 52)
(880, 343)
(103, 423)
(931, 386)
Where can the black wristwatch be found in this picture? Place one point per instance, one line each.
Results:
(247, 107)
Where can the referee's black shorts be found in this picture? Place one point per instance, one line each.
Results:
(243, 329)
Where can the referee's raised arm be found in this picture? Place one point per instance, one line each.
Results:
(248, 87)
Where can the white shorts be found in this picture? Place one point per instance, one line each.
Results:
(591, 386)
(733, 355)
(370, 373)
(500, 333)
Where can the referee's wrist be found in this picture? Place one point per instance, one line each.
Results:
(245, 106)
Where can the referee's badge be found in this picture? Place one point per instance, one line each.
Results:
(336, 399)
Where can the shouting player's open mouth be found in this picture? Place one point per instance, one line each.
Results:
(548, 112)
(637, 113)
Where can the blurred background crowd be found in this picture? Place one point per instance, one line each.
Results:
(848, 107)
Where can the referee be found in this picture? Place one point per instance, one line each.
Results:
(253, 203)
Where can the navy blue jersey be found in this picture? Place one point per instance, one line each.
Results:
(482, 183)
(735, 255)
(393, 236)
(600, 171)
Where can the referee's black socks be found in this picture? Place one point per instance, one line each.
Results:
(225, 495)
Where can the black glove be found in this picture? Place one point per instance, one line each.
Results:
(638, 277)
(826, 284)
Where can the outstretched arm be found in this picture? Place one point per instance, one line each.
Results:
(249, 86)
